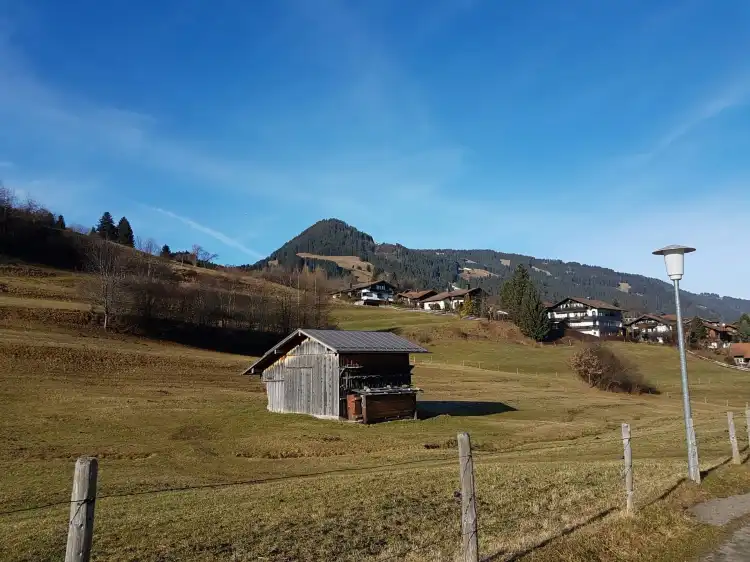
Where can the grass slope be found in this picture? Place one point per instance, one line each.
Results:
(163, 416)
(356, 265)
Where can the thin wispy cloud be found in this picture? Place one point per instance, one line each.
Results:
(734, 96)
(213, 233)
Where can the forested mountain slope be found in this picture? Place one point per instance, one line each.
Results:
(439, 268)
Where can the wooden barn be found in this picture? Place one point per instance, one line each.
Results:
(337, 374)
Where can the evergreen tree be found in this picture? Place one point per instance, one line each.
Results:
(534, 322)
(93, 231)
(106, 227)
(125, 233)
(512, 292)
(696, 332)
(165, 252)
(60, 222)
(743, 328)
(470, 307)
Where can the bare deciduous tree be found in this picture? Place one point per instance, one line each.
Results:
(106, 261)
(201, 255)
(148, 246)
(79, 228)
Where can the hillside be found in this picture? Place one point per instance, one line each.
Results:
(437, 268)
(179, 435)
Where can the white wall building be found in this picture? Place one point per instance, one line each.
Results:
(372, 293)
(650, 327)
(452, 300)
(588, 316)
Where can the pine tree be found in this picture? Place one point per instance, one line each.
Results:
(165, 252)
(534, 322)
(106, 227)
(697, 332)
(60, 222)
(743, 328)
(125, 233)
(512, 292)
(93, 231)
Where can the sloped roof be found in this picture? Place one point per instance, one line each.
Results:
(417, 294)
(338, 341)
(453, 294)
(359, 286)
(593, 303)
(661, 319)
(740, 350)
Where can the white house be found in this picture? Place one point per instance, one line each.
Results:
(373, 293)
(649, 326)
(588, 316)
(452, 300)
(740, 352)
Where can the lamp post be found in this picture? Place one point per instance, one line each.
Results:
(674, 258)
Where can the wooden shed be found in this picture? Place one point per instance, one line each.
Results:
(337, 374)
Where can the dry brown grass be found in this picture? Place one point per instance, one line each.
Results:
(476, 273)
(159, 416)
(355, 264)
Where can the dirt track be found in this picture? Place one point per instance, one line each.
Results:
(720, 512)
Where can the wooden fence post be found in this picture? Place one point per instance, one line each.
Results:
(747, 422)
(470, 540)
(82, 499)
(628, 468)
(733, 439)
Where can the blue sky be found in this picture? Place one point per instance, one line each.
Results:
(582, 130)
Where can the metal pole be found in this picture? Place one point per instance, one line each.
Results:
(693, 472)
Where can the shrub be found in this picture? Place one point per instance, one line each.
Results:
(601, 367)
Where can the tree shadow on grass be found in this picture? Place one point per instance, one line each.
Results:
(432, 408)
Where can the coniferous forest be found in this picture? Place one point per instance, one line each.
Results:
(439, 268)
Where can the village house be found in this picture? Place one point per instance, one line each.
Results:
(740, 352)
(649, 327)
(453, 300)
(588, 316)
(415, 298)
(718, 334)
(336, 374)
(373, 293)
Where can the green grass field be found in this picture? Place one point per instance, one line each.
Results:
(159, 416)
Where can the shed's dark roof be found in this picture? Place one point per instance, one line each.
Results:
(338, 341)
(351, 341)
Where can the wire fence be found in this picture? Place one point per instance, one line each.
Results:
(612, 447)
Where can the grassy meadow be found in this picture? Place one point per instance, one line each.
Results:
(161, 416)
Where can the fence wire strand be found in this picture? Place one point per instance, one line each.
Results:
(605, 438)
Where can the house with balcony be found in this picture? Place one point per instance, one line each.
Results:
(718, 334)
(374, 293)
(649, 327)
(588, 316)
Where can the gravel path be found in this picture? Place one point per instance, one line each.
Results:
(719, 513)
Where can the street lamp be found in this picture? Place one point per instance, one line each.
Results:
(674, 259)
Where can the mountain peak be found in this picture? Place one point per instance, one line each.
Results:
(437, 268)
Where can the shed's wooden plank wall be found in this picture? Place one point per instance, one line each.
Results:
(304, 381)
